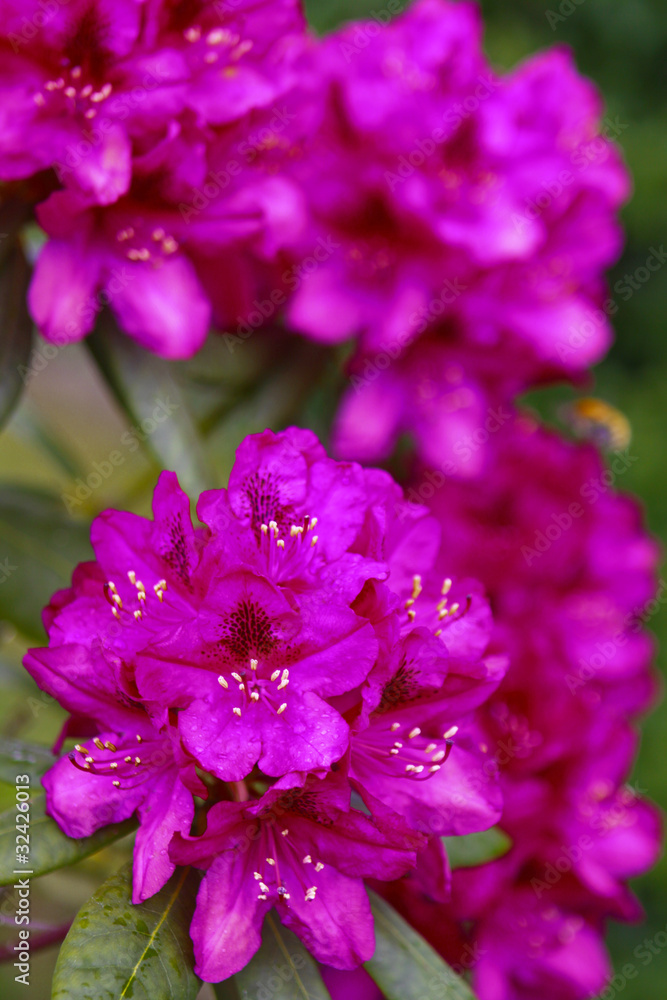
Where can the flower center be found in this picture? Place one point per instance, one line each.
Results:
(282, 856)
(398, 748)
(442, 614)
(70, 92)
(289, 556)
(253, 687)
(121, 761)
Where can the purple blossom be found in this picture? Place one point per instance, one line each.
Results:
(302, 849)
(474, 217)
(291, 652)
(91, 82)
(557, 727)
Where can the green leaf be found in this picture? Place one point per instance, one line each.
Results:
(404, 966)
(40, 546)
(477, 848)
(148, 390)
(15, 331)
(282, 966)
(50, 848)
(117, 951)
(18, 757)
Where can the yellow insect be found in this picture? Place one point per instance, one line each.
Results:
(598, 421)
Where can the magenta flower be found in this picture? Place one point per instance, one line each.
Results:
(289, 651)
(473, 217)
(91, 81)
(132, 767)
(402, 752)
(302, 849)
(151, 256)
(557, 727)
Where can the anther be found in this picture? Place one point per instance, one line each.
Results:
(237, 711)
(319, 866)
(116, 784)
(395, 726)
(275, 675)
(450, 732)
(98, 743)
(110, 746)
(237, 677)
(223, 683)
(270, 861)
(414, 732)
(254, 664)
(284, 833)
(307, 860)
(132, 576)
(431, 747)
(282, 708)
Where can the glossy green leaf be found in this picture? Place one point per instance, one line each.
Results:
(404, 965)
(49, 847)
(117, 951)
(40, 546)
(477, 848)
(18, 757)
(15, 331)
(147, 388)
(282, 968)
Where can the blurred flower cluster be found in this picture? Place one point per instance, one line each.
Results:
(317, 662)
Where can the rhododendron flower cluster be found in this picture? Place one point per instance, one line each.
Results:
(136, 108)
(475, 216)
(571, 577)
(208, 153)
(296, 665)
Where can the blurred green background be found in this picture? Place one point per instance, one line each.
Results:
(56, 435)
